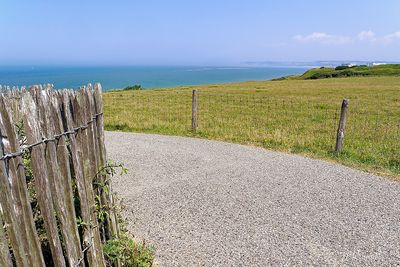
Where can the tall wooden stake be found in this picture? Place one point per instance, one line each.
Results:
(194, 110)
(342, 126)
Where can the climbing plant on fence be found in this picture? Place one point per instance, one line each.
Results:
(56, 206)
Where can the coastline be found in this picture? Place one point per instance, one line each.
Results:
(148, 77)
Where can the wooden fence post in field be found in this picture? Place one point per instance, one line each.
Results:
(194, 110)
(342, 126)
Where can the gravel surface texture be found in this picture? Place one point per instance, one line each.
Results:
(209, 203)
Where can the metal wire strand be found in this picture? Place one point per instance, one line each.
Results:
(26, 148)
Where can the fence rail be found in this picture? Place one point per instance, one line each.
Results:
(51, 151)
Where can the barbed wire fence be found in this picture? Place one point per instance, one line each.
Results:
(291, 123)
(55, 141)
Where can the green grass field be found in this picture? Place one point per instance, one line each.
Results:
(297, 116)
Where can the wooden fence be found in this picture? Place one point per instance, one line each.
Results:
(55, 202)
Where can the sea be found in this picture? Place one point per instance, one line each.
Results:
(148, 77)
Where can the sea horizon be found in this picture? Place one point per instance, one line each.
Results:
(149, 77)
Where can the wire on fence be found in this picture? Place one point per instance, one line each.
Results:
(25, 148)
(79, 261)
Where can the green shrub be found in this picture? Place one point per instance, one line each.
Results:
(320, 75)
(129, 252)
(133, 87)
(124, 249)
(342, 67)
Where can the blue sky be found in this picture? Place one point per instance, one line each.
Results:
(207, 32)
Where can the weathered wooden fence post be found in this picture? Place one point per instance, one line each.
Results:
(63, 135)
(342, 126)
(194, 110)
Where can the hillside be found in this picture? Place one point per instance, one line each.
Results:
(344, 71)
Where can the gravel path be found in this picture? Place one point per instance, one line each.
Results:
(208, 203)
